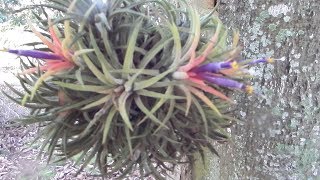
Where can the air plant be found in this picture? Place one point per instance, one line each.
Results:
(132, 85)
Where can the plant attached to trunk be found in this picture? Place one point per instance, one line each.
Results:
(130, 84)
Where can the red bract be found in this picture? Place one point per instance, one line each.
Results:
(204, 77)
(58, 60)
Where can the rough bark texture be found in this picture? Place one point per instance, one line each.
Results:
(279, 138)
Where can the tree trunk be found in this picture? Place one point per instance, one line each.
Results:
(279, 138)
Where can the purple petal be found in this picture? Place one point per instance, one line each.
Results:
(224, 82)
(262, 60)
(215, 67)
(36, 54)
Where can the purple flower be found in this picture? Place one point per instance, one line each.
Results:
(221, 73)
(262, 60)
(215, 67)
(225, 82)
(35, 54)
(221, 81)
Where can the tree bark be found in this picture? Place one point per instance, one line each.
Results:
(279, 138)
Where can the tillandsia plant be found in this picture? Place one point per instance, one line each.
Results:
(131, 84)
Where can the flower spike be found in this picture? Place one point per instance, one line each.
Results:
(223, 82)
(262, 60)
(34, 54)
(216, 67)
(60, 59)
(219, 74)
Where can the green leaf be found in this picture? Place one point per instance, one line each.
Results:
(149, 82)
(92, 67)
(122, 109)
(136, 49)
(49, 135)
(177, 44)
(148, 113)
(38, 83)
(221, 46)
(153, 52)
(54, 139)
(187, 93)
(85, 18)
(97, 103)
(202, 114)
(61, 2)
(127, 11)
(106, 67)
(107, 43)
(76, 105)
(14, 90)
(128, 59)
(34, 119)
(85, 78)
(79, 87)
(150, 72)
(194, 35)
(144, 92)
(205, 99)
(51, 101)
(147, 58)
(88, 130)
(128, 137)
(159, 103)
(168, 115)
(217, 36)
(79, 76)
(107, 124)
(89, 158)
(212, 149)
